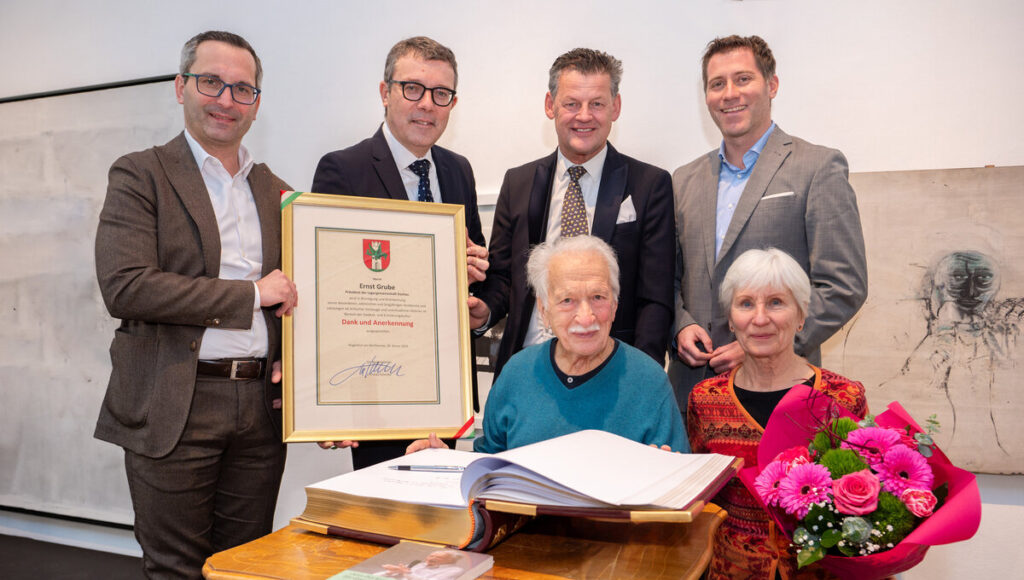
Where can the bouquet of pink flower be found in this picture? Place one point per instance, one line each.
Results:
(860, 497)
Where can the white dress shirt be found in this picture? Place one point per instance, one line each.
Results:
(590, 184)
(403, 159)
(241, 250)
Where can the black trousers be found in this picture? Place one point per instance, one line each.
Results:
(217, 488)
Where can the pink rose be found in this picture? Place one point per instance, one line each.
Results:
(856, 493)
(907, 439)
(920, 502)
(793, 456)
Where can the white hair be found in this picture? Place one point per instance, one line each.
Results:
(768, 268)
(541, 255)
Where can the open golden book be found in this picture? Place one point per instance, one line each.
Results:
(471, 500)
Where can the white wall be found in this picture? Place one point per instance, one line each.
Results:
(918, 84)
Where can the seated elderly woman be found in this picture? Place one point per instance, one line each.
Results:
(766, 294)
(582, 378)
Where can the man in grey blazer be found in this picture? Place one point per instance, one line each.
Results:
(187, 256)
(761, 188)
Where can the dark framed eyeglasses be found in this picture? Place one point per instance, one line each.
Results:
(413, 91)
(211, 86)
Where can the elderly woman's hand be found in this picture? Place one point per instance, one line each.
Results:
(727, 357)
(433, 442)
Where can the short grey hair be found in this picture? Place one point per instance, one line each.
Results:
(767, 268)
(542, 254)
(423, 47)
(188, 52)
(586, 61)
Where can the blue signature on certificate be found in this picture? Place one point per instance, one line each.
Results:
(370, 368)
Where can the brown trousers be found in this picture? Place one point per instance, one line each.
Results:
(217, 488)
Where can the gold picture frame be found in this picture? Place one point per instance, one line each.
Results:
(378, 346)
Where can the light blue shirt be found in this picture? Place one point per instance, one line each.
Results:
(731, 182)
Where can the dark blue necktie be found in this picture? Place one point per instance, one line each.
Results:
(421, 167)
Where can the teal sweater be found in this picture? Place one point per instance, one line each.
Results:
(630, 396)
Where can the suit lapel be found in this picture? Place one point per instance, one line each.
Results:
(445, 177)
(183, 173)
(384, 165)
(610, 194)
(709, 209)
(775, 151)
(540, 198)
(268, 207)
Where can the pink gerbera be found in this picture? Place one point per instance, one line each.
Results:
(903, 468)
(767, 482)
(806, 485)
(871, 443)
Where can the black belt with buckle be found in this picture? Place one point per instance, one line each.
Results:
(236, 369)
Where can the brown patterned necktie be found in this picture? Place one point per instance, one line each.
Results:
(574, 211)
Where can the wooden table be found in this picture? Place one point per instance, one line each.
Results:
(548, 547)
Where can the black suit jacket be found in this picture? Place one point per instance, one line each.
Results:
(644, 248)
(367, 169)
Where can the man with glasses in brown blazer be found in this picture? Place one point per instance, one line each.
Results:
(188, 252)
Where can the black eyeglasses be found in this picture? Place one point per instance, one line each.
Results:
(413, 91)
(211, 86)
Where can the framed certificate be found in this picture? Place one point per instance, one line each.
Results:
(378, 347)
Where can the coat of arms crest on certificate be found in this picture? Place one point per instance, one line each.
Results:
(377, 254)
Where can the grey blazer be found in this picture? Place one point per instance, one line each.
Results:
(798, 199)
(157, 261)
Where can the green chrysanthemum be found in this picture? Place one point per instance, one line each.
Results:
(842, 427)
(892, 519)
(841, 462)
(830, 438)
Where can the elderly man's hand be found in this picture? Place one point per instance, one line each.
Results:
(433, 442)
(688, 343)
(725, 358)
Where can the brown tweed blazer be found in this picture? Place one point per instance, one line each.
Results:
(157, 262)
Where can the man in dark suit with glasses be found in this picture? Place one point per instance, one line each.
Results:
(402, 161)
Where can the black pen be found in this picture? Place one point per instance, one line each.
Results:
(433, 468)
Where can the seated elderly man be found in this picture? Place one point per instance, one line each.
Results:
(582, 378)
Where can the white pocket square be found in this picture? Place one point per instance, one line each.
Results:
(783, 194)
(627, 213)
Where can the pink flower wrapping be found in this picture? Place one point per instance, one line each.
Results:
(795, 422)
(856, 494)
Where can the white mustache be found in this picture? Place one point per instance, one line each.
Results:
(579, 329)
